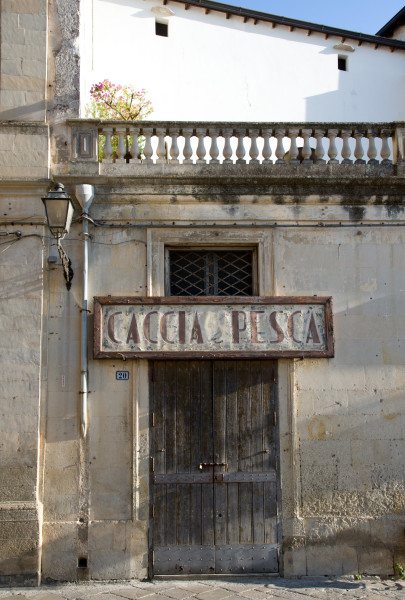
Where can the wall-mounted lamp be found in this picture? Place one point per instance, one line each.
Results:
(59, 213)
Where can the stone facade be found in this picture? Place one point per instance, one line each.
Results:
(74, 507)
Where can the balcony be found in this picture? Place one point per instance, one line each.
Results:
(144, 148)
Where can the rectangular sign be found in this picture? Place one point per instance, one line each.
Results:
(122, 375)
(220, 327)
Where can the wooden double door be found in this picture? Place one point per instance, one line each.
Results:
(214, 467)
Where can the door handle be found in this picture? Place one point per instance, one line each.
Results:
(212, 464)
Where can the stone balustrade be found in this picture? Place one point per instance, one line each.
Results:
(266, 144)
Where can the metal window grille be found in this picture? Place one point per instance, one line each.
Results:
(210, 272)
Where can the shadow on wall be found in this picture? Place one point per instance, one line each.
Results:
(353, 86)
(31, 112)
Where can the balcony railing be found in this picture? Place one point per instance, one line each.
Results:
(150, 143)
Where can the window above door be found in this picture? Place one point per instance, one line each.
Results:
(211, 272)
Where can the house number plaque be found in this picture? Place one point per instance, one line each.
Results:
(213, 327)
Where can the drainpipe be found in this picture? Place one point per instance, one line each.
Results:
(85, 195)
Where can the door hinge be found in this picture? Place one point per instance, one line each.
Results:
(153, 464)
(274, 419)
(153, 419)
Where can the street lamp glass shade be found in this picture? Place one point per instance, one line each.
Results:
(59, 210)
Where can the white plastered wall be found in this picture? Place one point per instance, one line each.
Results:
(213, 68)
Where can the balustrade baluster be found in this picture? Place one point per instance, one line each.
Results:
(293, 134)
(201, 149)
(214, 150)
(280, 152)
(174, 148)
(240, 150)
(372, 150)
(188, 150)
(134, 150)
(148, 149)
(359, 150)
(161, 149)
(332, 151)
(306, 134)
(266, 135)
(346, 134)
(121, 146)
(385, 148)
(319, 150)
(107, 132)
(227, 134)
(254, 150)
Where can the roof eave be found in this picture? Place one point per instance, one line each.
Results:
(377, 40)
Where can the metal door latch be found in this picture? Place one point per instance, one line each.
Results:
(212, 464)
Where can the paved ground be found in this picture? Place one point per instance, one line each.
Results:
(370, 588)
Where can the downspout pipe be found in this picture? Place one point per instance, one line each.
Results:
(85, 195)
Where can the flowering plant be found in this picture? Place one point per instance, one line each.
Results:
(117, 102)
(110, 101)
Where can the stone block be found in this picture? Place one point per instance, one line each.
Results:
(353, 478)
(106, 480)
(59, 537)
(295, 562)
(18, 547)
(33, 68)
(62, 405)
(61, 430)
(381, 377)
(64, 480)
(59, 456)
(12, 67)
(331, 560)
(316, 402)
(17, 484)
(24, 6)
(7, 142)
(376, 562)
(65, 355)
(12, 35)
(110, 456)
(23, 512)
(389, 530)
(35, 145)
(32, 21)
(9, 21)
(359, 352)
(324, 452)
(59, 507)
(33, 37)
(11, 98)
(112, 429)
(16, 531)
(319, 478)
(11, 50)
(331, 377)
(10, 172)
(113, 505)
(388, 477)
(109, 556)
(17, 567)
(59, 566)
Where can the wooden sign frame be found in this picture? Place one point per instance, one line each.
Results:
(235, 303)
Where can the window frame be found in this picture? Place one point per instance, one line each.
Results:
(158, 239)
(202, 248)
